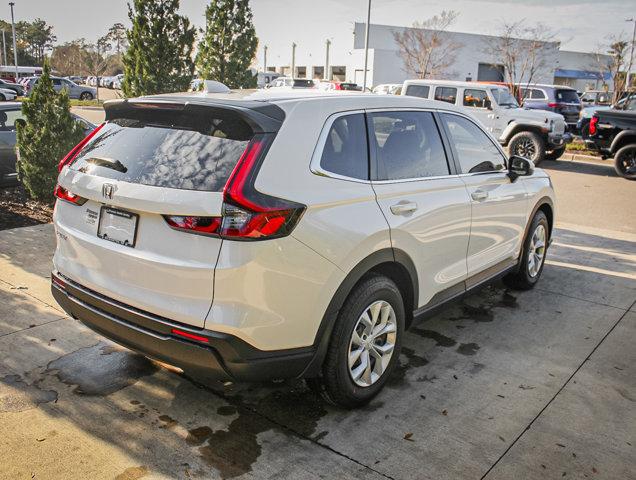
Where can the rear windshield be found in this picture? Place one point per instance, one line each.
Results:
(567, 96)
(192, 153)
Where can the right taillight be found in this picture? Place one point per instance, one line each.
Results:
(593, 125)
(63, 194)
(247, 214)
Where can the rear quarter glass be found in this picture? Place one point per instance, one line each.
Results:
(170, 150)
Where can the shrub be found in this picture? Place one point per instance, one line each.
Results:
(47, 134)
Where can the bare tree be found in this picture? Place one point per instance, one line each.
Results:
(427, 49)
(522, 51)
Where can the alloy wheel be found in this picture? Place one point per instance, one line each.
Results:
(526, 148)
(536, 251)
(372, 343)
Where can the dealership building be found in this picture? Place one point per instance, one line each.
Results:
(474, 61)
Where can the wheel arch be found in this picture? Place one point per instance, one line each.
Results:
(624, 138)
(514, 128)
(390, 262)
(546, 206)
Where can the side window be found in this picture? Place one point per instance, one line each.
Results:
(474, 148)
(345, 151)
(57, 81)
(476, 98)
(8, 118)
(407, 145)
(418, 91)
(446, 94)
(538, 94)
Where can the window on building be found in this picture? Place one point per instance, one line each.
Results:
(474, 148)
(407, 145)
(318, 73)
(476, 98)
(487, 72)
(446, 94)
(345, 151)
(418, 91)
(301, 72)
(271, 69)
(339, 73)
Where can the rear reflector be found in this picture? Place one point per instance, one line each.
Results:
(63, 194)
(190, 336)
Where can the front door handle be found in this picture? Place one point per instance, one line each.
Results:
(403, 208)
(479, 195)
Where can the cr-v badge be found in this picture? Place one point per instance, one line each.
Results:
(108, 189)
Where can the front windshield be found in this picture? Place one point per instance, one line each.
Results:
(503, 97)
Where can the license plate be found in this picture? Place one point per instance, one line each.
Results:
(118, 226)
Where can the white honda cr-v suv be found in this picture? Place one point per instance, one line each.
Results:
(254, 236)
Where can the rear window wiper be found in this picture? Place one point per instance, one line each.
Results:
(107, 163)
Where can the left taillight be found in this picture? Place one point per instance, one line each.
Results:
(63, 194)
(247, 214)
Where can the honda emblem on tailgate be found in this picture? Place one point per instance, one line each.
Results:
(108, 189)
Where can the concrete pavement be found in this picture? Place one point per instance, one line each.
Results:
(538, 384)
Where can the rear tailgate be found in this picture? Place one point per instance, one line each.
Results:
(145, 166)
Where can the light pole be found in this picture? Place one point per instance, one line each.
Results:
(4, 49)
(293, 62)
(265, 58)
(327, 75)
(15, 49)
(366, 46)
(631, 53)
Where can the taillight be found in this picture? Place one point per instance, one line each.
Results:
(70, 156)
(593, 124)
(63, 194)
(553, 105)
(247, 214)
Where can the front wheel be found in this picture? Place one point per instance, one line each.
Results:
(365, 344)
(86, 96)
(530, 145)
(535, 248)
(625, 162)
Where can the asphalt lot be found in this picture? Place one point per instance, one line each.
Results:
(531, 385)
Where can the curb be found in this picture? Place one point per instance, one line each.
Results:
(580, 157)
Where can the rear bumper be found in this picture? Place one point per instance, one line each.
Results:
(218, 356)
(558, 140)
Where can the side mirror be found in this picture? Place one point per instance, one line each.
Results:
(519, 167)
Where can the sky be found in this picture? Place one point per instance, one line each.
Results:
(581, 25)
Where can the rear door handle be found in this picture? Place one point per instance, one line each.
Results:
(479, 195)
(403, 208)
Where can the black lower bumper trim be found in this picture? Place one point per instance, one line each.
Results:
(222, 357)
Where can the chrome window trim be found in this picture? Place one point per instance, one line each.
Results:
(314, 165)
(317, 169)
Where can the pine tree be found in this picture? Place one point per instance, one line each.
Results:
(48, 133)
(229, 44)
(159, 56)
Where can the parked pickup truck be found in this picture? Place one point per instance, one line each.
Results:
(613, 134)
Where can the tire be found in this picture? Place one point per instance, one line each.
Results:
(625, 162)
(86, 96)
(526, 277)
(555, 154)
(2, 98)
(530, 145)
(337, 384)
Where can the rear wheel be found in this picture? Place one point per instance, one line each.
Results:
(2, 98)
(86, 96)
(535, 248)
(555, 154)
(365, 344)
(625, 162)
(530, 145)
(585, 131)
